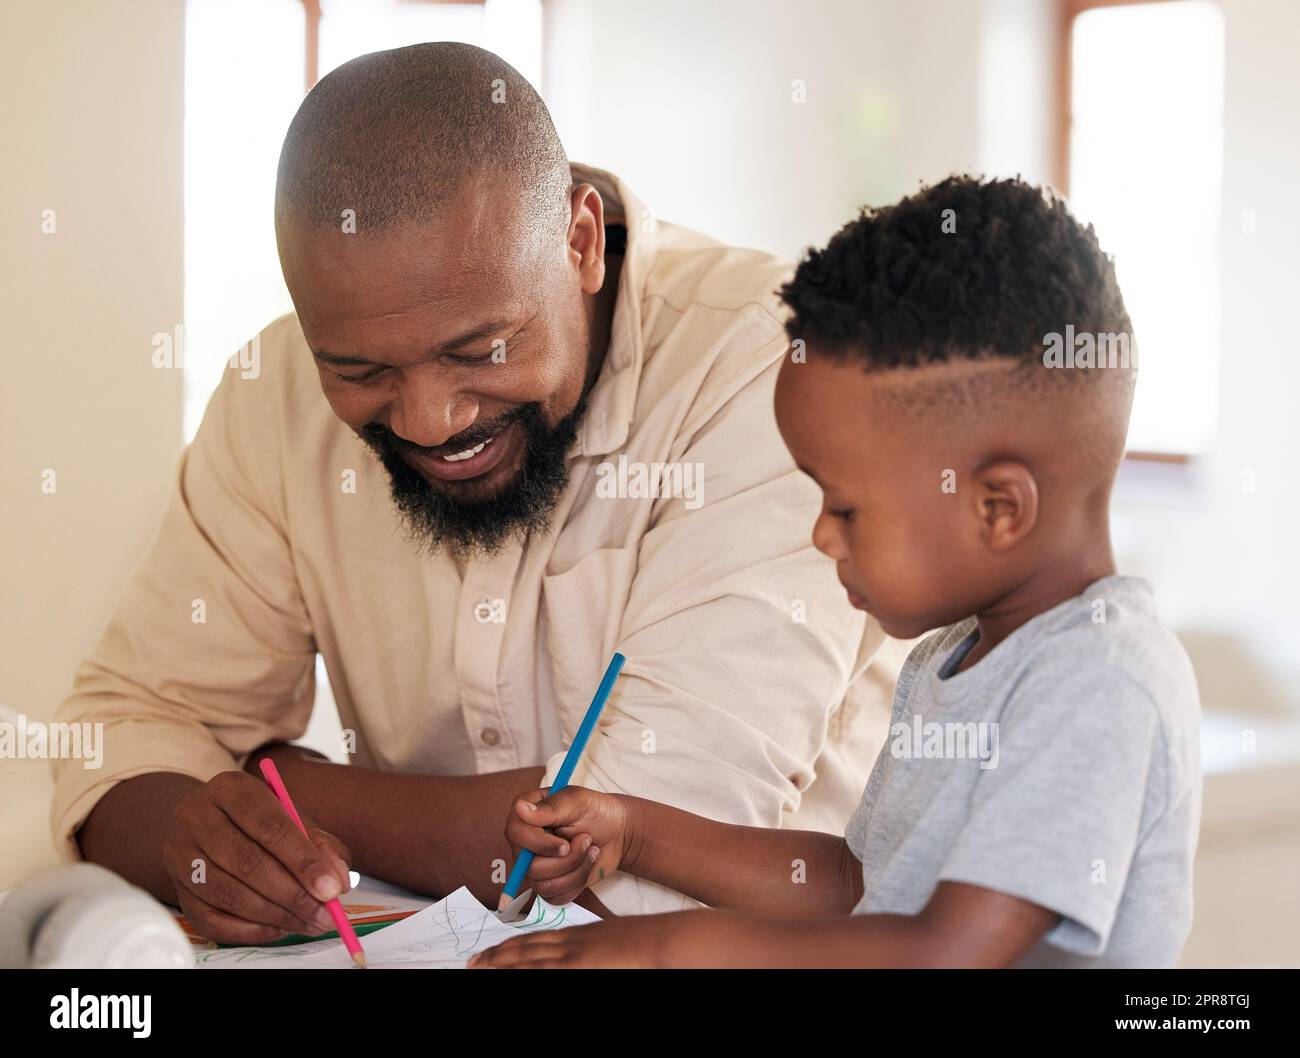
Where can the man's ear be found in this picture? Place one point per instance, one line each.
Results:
(1006, 499)
(587, 237)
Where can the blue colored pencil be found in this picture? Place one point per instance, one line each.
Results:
(570, 762)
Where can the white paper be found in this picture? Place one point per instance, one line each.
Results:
(442, 936)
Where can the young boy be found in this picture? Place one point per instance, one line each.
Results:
(1038, 799)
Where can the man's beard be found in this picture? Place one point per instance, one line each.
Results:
(522, 506)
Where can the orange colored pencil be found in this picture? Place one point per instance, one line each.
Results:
(346, 933)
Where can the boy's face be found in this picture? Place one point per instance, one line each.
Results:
(907, 551)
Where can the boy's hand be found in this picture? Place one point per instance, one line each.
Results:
(577, 836)
(632, 943)
(645, 942)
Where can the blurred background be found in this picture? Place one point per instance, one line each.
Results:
(141, 143)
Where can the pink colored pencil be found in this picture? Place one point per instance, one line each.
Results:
(346, 933)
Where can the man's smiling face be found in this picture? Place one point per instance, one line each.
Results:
(460, 352)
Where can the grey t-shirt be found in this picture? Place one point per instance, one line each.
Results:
(1063, 768)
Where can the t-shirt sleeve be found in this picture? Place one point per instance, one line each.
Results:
(1056, 819)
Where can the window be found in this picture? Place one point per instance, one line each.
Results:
(246, 64)
(1142, 161)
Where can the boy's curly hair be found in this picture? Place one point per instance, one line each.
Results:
(893, 288)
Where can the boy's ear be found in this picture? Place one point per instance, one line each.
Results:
(1006, 499)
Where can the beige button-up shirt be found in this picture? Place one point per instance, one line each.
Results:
(753, 693)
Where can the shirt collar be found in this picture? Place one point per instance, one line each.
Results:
(612, 402)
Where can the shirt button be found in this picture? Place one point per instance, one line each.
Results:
(490, 735)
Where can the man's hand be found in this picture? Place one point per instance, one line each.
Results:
(578, 837)
(242, 870)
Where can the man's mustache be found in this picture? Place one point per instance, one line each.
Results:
(381, 437)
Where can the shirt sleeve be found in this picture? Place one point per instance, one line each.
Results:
(1057, 820)
(740, 643)
(210, 652)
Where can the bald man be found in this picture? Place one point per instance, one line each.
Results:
(515, 424)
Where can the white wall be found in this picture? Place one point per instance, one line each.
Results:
(1225, 559)
(92, 128)
(692, 104)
